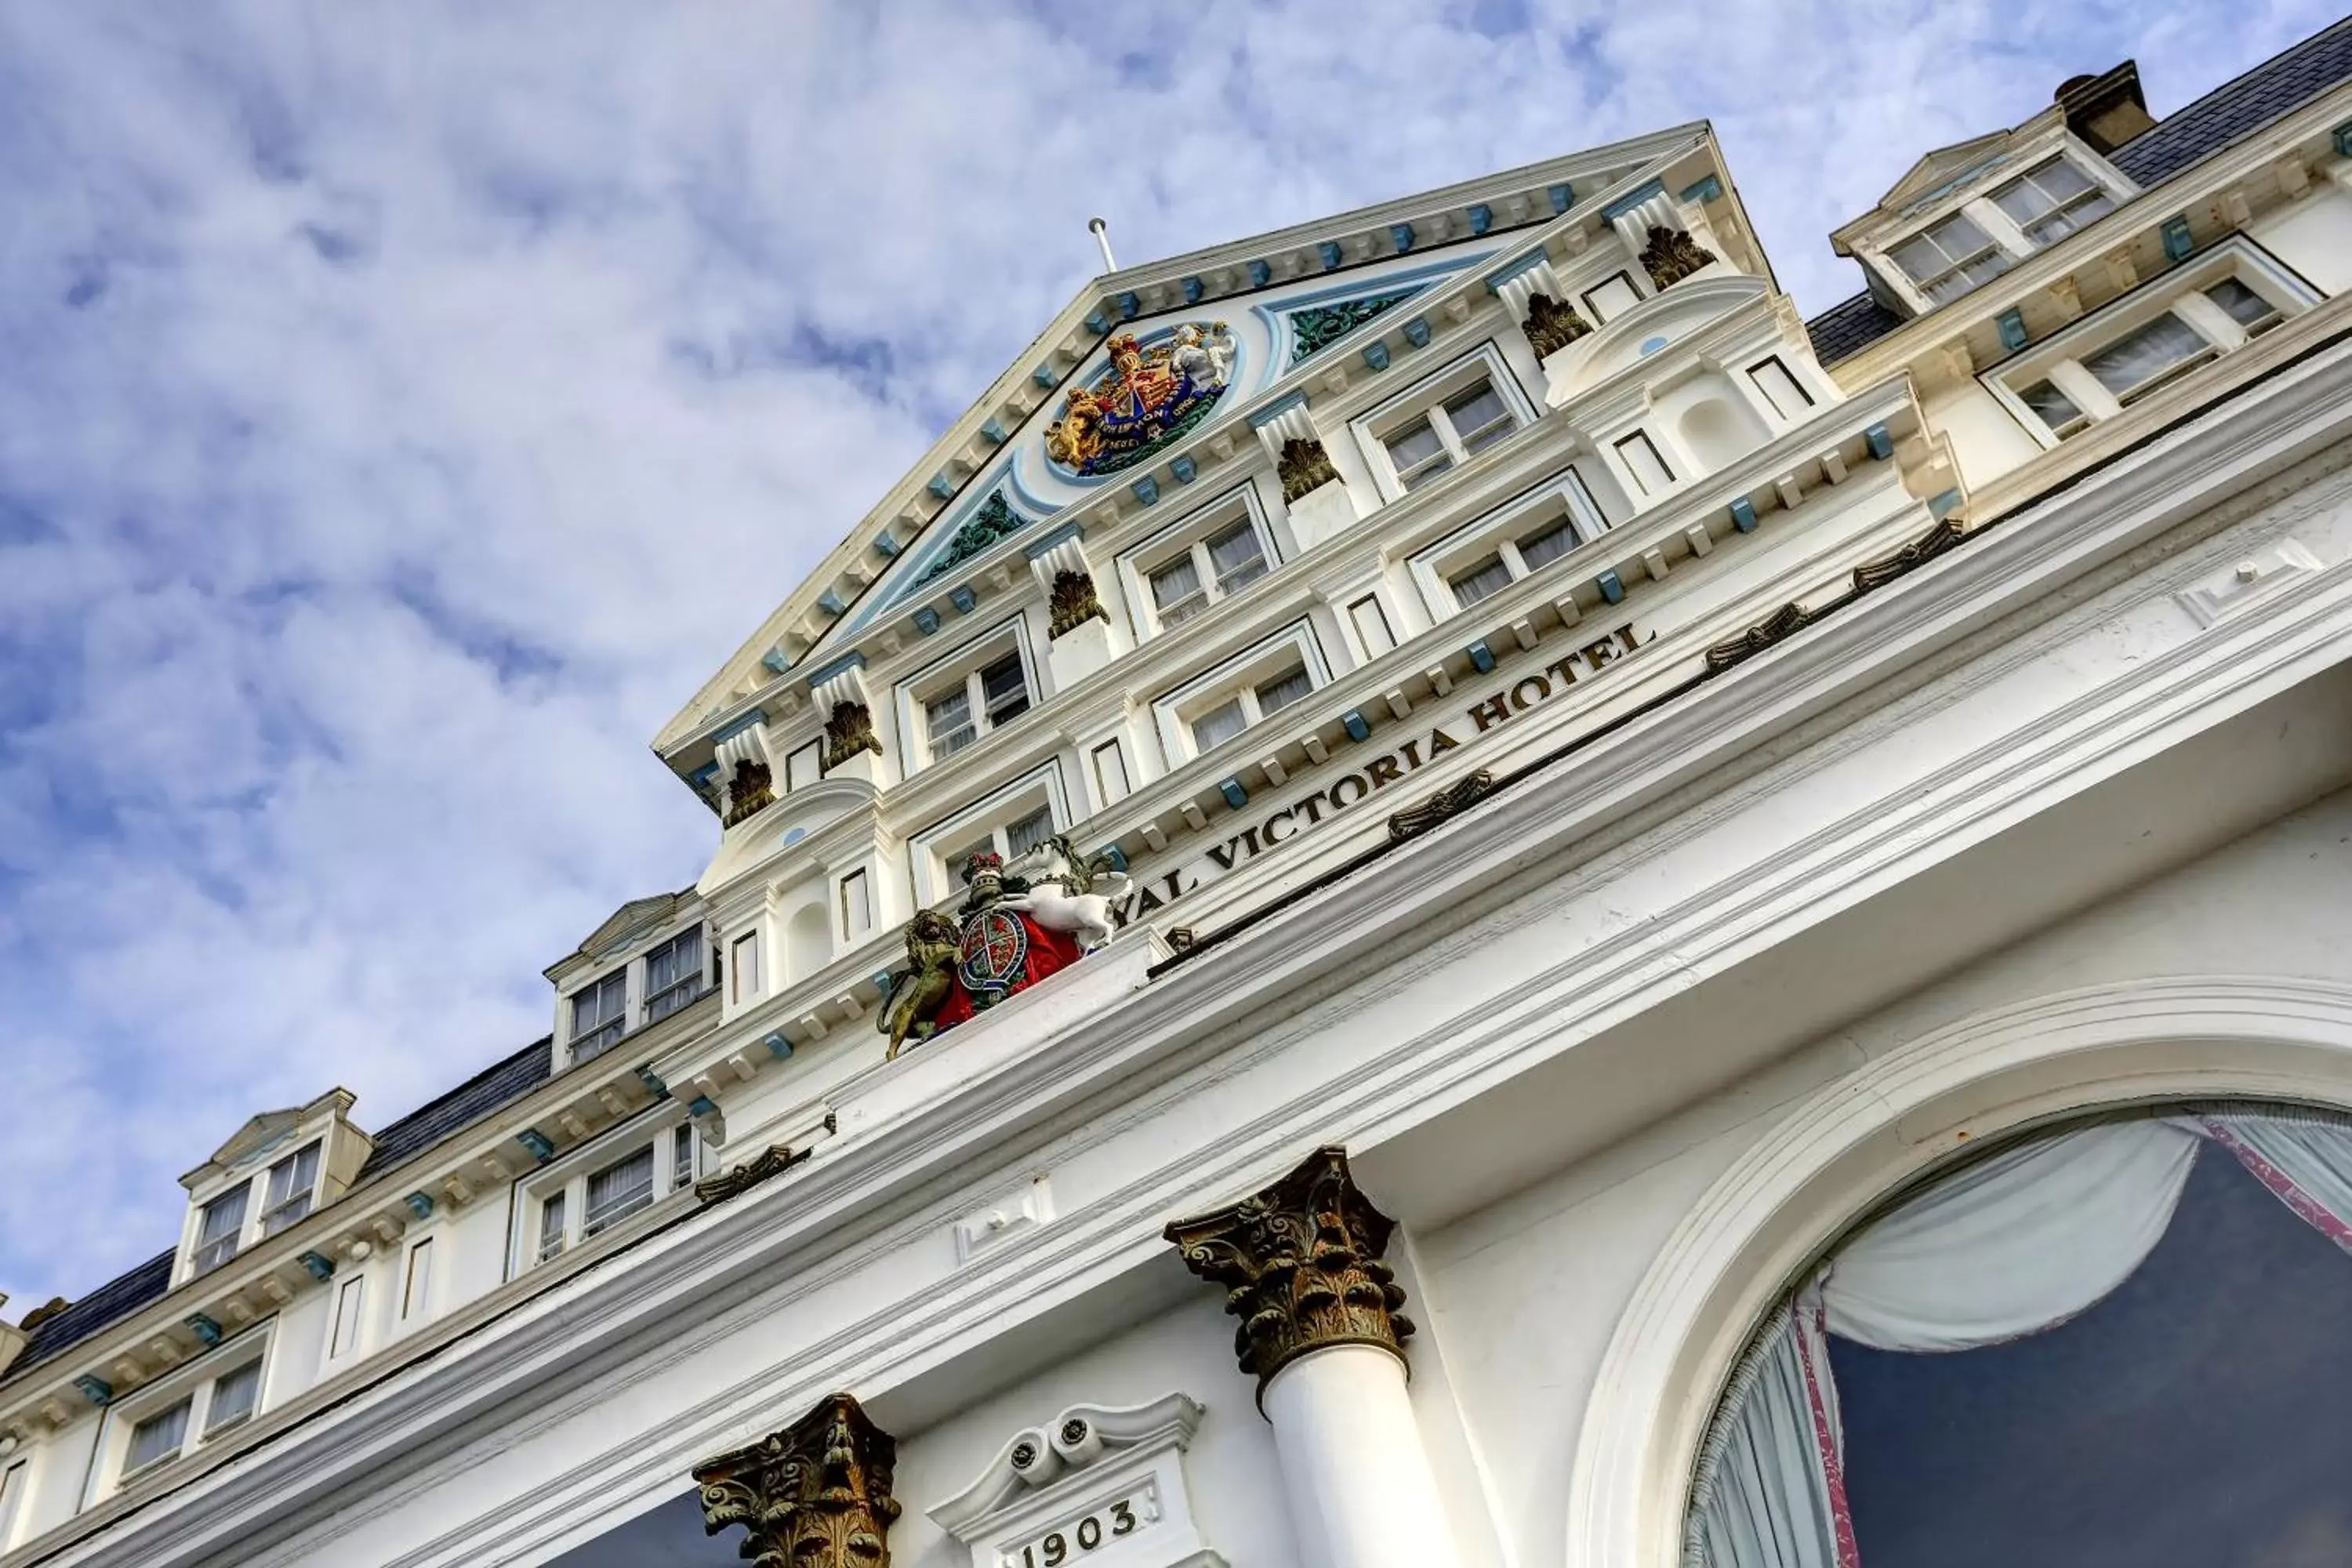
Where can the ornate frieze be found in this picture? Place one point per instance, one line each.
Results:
(1319, 326)
(1551, 326)
(994, 522)
(1301, 1267)
(1074, 603)
(848, 732)
(1304, 466)
(1672, 255)
(814, 1495)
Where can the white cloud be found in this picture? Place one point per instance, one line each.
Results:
(408, 408)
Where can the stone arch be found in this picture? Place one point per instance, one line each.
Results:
(1847, 1145)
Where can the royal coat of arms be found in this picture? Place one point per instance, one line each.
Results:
(1146, 397)
(1009, 933)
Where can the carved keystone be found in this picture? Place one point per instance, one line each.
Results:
(1301, 1267)
(814, 1495)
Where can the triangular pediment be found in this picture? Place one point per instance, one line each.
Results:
(623, 926)
(1216, 330)
(258, 1136)
(1944, 167)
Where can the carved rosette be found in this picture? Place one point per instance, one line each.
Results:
(1551, 326)
(814, 1495)
(1074, 603)
(1304, 467)
(1301, 1267)
(849, 731)
(752, 787)
(1673, 254)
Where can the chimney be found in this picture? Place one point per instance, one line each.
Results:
(2107, 109)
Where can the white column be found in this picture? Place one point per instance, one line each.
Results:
(1362, 1492)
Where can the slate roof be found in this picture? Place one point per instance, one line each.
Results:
(499, 1085)
(2277, 87)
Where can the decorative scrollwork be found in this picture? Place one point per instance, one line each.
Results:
(1301, 1267)
(1784, 622)
(1919, 552)
(814, 1495)
(772, 1160)
(1460, 795)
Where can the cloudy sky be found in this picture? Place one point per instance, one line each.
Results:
(404, 408)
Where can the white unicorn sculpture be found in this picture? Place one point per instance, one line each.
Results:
(1066, 894)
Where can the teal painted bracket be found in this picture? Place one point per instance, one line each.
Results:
(321, 1265)
(537, 1144)
(206, 1329)
(1259, 419)
(653, 1085)
(1633, 198)
(1235, 797)
(1352, 720)
(420, 1206)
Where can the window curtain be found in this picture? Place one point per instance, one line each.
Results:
(2012, 1246)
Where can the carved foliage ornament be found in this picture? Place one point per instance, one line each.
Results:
(849, 731)
(1671, 255)
(814, 1495)
(1301, 1267)
(1551, 326)
(1074, 603)
(1304, 467)
(751, 788)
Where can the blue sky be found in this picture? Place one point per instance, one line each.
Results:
(405, 407)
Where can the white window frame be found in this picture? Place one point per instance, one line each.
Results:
(252, 1226)
(620, 1022)
(1174, 712)
(2179, 292)
(935, 880)
(413, 1309)
(1565, 495)
(15, 1480)
(194, 1383)
(913, 695)
(1592, 311)
(2006, 235)
(2096, 189)
(1190, 534)
(699, 978)
(569, 1176)
(1425, 399)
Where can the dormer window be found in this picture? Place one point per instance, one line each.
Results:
(293, 1184)
(600, 1014)
(2053, 202)
(673, 973)
(221, 1229)
(1952, 258)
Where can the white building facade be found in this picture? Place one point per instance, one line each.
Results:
(1443, 891)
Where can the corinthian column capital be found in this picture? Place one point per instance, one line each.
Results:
(1301, 1265)
(814, 1495)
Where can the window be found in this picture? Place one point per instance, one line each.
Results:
(1008, 823)
(744, 968)
(1650, 472)
(347, 1305)
(2243, 306)
(1024, 834)
(552, 1235)
(1489, 576)
(618, 1191)
(1781, 389)
(681, 1172)
(1952, 258)
(12, 1500)
(234, 1396)
(1613, 298)
(599, 1014)
(2172, 1281)
(1249, 705)
(416, 1282)
(292, 1184)
(1454, 431)
(2053, 202)
(2145, 358)
(159, 1438)
(673, 973)
(1516, 559)
(218, 1230)
(804, 765)
(994, 694)
(2054, 408)
(1197, 574)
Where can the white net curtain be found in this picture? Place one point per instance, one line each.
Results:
(2013, 1245)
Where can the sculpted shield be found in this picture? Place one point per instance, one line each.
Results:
(992, 959)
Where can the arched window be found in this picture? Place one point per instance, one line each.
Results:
(2122, 1340)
